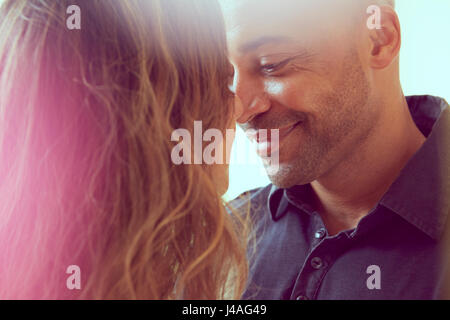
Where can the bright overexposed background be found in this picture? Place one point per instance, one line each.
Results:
(424, 69)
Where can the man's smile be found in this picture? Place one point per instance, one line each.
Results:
(268, 141)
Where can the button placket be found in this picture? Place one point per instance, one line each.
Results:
(315, 267)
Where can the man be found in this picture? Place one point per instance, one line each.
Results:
(358, 205)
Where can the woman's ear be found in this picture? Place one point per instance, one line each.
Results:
(386, 40)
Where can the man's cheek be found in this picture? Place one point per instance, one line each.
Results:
(275, 89)
(288, 93)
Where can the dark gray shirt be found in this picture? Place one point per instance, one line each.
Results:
(393, 253)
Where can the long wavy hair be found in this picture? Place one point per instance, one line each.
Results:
(86, 177)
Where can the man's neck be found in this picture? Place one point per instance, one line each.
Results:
(350, 190)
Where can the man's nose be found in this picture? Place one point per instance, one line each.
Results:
(251, 99)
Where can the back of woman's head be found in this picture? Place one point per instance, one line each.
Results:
(86, 177)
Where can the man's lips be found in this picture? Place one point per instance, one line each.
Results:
(264, 135)
(266, 144)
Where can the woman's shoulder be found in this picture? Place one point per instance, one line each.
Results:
(251, 200)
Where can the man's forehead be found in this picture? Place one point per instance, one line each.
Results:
(265, 11)
(250, 20)
(272, 8)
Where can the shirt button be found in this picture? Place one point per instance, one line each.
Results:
(301, 297)
(316, 263)
(320, 233)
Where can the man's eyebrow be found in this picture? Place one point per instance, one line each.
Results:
(255, 44)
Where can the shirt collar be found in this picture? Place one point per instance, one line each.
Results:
(421, 193)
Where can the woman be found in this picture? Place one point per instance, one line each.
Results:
(86, 177)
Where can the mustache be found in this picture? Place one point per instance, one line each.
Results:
(273, 121)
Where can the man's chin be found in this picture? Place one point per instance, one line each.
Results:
(286, 176)
(281, 177)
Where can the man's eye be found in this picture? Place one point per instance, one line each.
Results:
(270, 67)
(273, 67)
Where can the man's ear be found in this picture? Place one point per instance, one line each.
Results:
(385, 41)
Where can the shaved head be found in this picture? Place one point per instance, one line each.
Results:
(386, 2)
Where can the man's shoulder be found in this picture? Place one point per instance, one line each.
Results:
(253, 200)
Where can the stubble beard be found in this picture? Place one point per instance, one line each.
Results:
(346, 120)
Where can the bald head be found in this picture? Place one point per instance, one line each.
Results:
(386, 2)
(311, 16)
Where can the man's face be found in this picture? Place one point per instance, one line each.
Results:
(298, 68)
